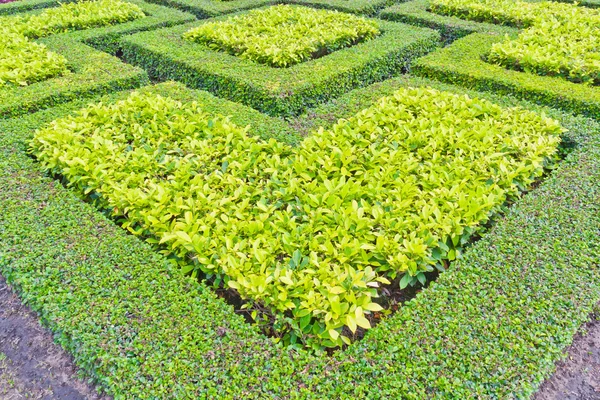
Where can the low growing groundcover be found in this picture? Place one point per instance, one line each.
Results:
(513, 300)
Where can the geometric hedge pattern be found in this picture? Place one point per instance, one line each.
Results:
(491, 326)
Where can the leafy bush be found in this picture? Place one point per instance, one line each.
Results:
(23, 62)
(560, 39)
(565, 48)
(306, 235)
(284, 35)
(72, 16)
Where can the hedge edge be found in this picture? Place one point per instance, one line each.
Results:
(277, 91)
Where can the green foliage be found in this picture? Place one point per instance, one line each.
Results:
(90, 71)
(514, 300)
(304, 235)
(463, 62)
(23, 62)
(284, 35)
(560, 39)
(72, 16)
(277, 91)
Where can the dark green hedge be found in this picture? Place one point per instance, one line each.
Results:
(417, 13)
(277, 91)
(462, 63)
(28, 5)
(492, 326)
(214, 8)
(366, 7)
(93, 71)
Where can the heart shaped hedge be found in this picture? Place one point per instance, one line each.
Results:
(306, 235)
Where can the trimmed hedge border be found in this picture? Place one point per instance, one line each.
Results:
(417, 13)
(461, 63)
(93, 72)
(215, 8)
(277, 91)
(492, 326)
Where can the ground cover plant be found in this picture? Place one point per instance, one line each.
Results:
(282, 36)
(165, 54)
(69, 66)
(68, 248)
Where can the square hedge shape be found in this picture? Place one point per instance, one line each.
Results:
(418, 13)
(283, 35)
(277, 91)
(91, 70)
(214, 8)
(463, 63)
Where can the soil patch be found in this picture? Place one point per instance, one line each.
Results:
(32, 366)
(578, 376)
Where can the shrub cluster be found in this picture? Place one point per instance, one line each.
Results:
(307, 234)
(559, 39)
(72, 16)
(23, 62)
(284, 35)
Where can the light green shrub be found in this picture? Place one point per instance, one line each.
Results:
(23, 62)
(72, 16)
(305, 235)
(560, 39)
(284, 35)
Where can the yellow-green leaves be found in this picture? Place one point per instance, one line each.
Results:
(71, 16)
(306, 235)
(559, 40)
(284, 35)
(23, 62)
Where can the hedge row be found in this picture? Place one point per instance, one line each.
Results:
(91, 71)
(462, 63)
(277, 91)
(491, 326)
(418, 12)
(214, 8)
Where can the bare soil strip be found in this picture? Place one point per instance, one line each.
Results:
(32, 366)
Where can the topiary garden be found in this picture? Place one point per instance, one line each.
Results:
(303, 199)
